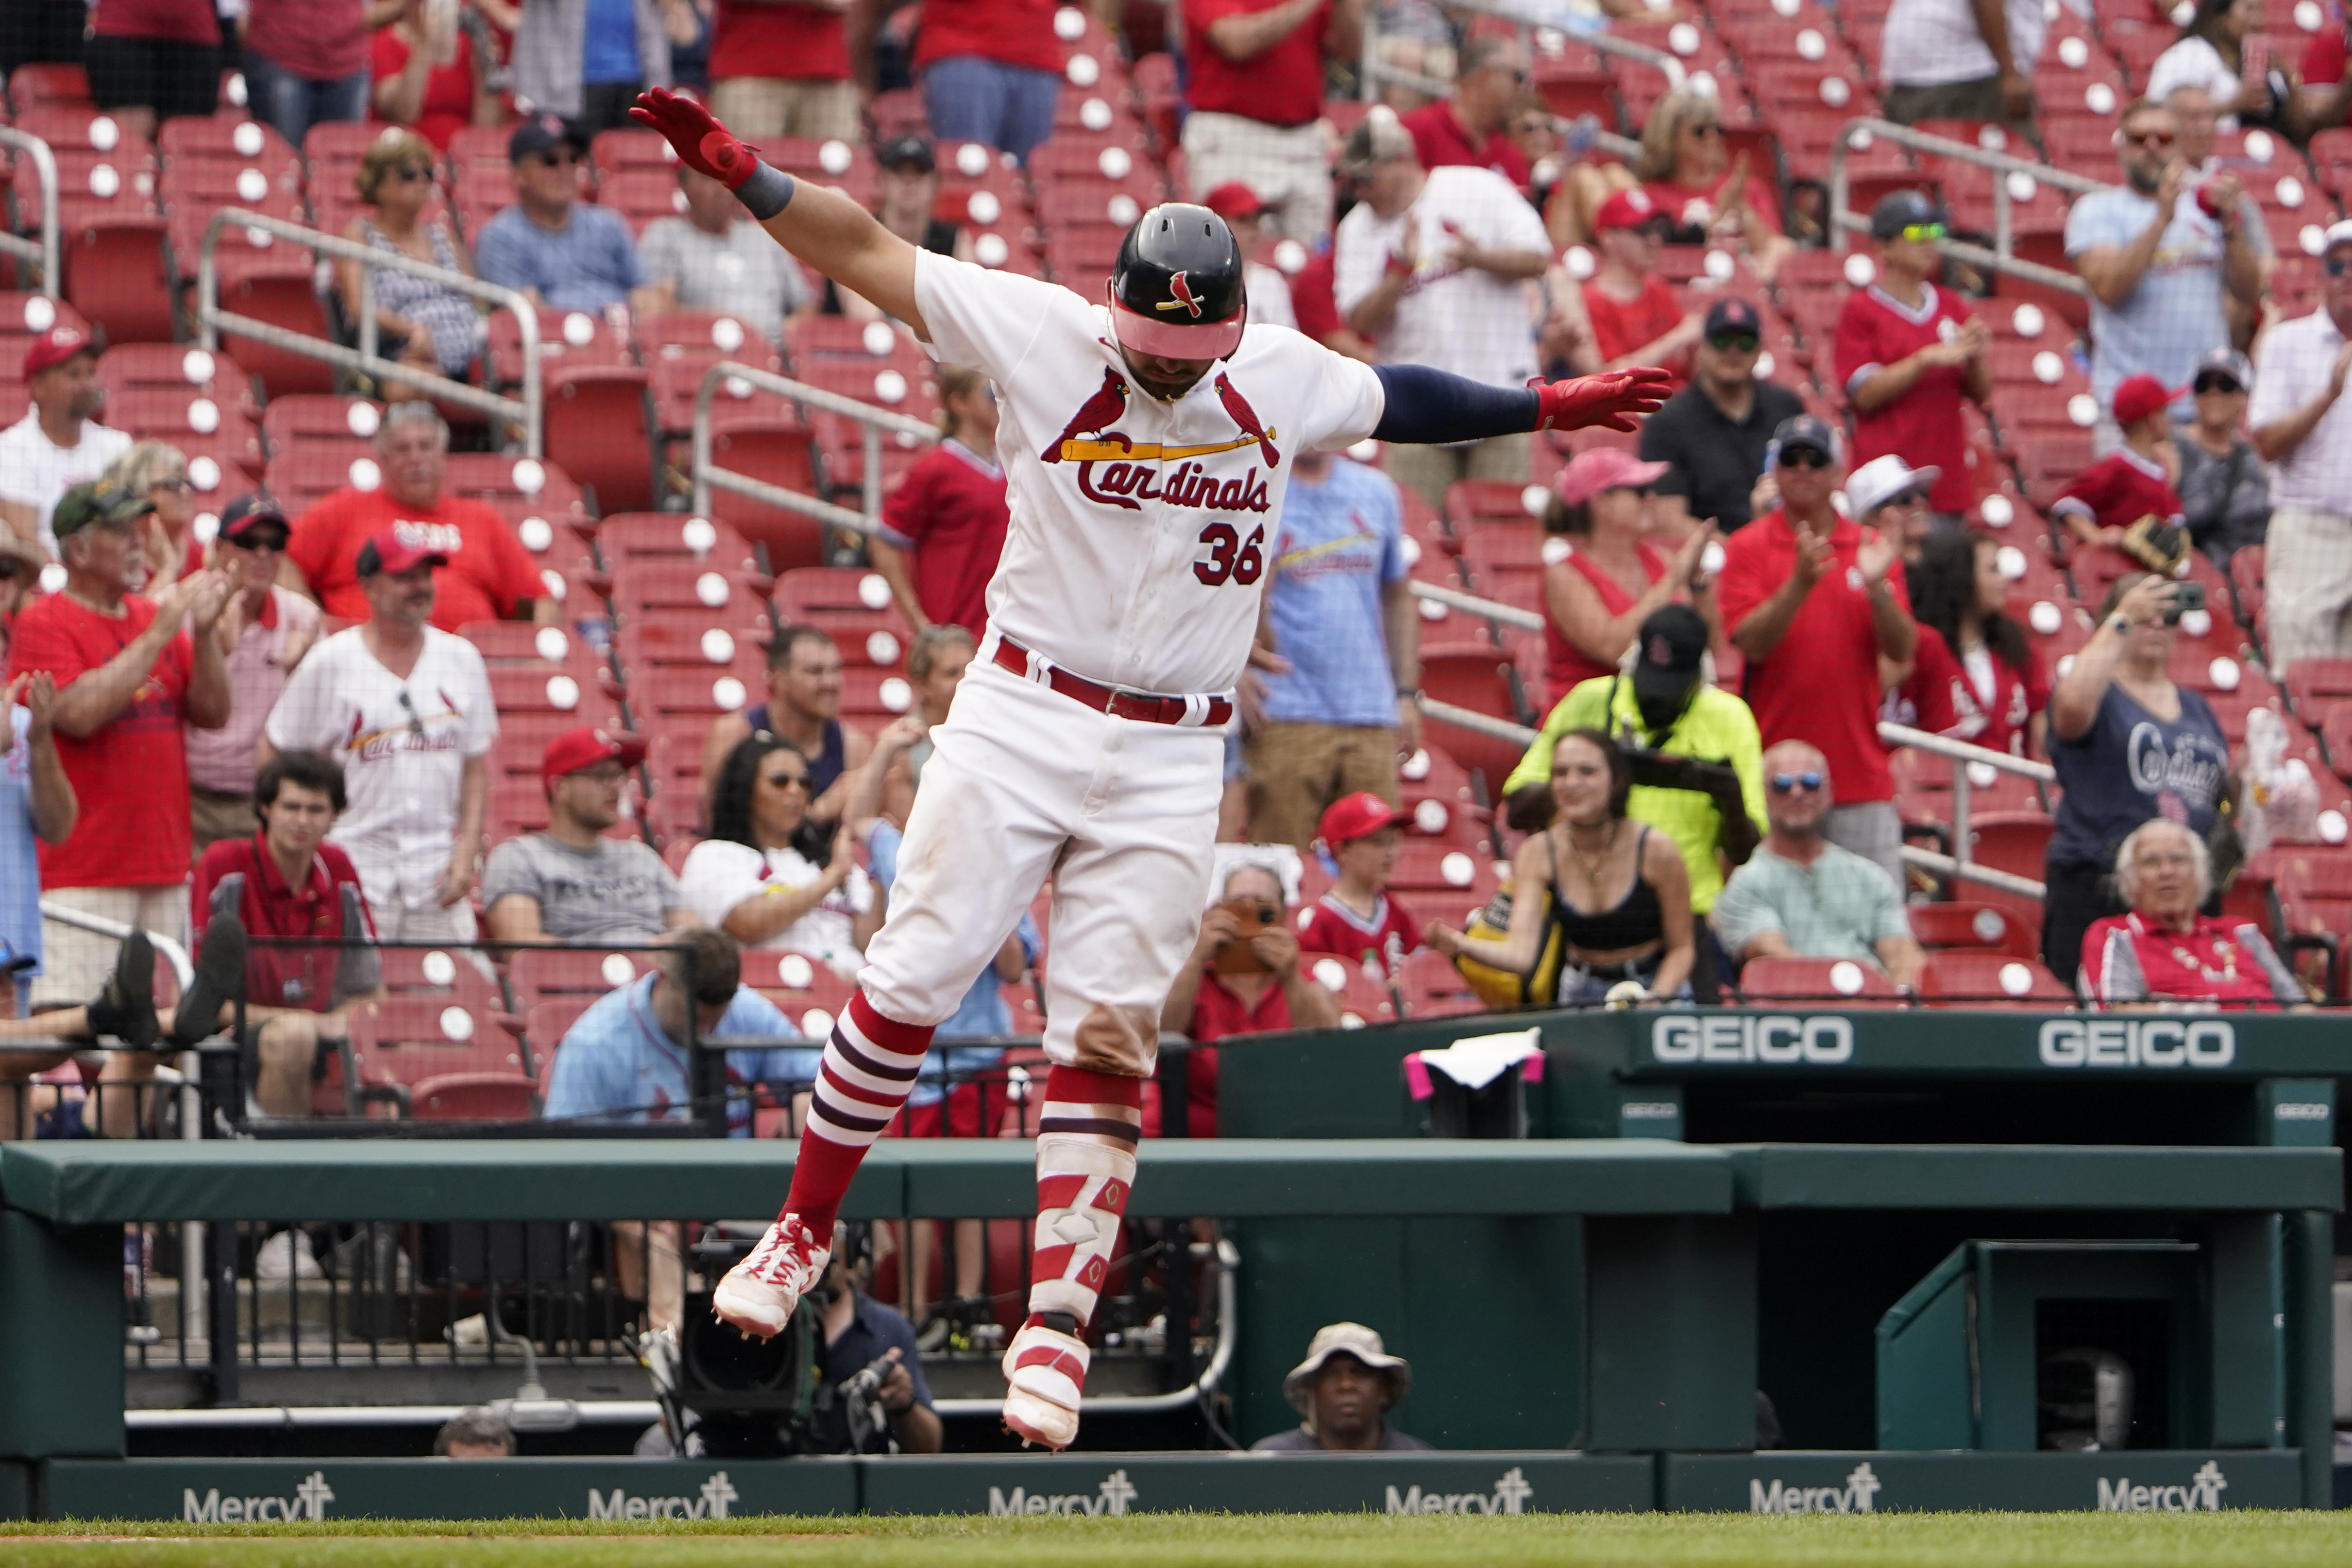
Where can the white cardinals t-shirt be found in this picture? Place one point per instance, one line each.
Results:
(718, 875)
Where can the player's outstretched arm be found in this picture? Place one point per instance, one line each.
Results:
(1427, 407)
(822, 227)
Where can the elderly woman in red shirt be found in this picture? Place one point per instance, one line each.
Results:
(2164, 952)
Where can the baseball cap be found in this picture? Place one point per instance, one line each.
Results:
(1898, 209)
(1807, 430)
(396, 547)
(1231, 200)
(541, 134)
(2337, 234)
(1357, 816)
(1627, 209)
(1346, 1339)
(1589, 473)
(1668, 651)
(95, 503)
(1881, 479)
(54, 348)
(2226, 363)
(2140, 396)
(1726, 316)
(911, 148)
(249, 514)
(586, 747)
(1377, 139)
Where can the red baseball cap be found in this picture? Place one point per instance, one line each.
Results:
(2140, 396)
(1357, 816)
(586, 747)
(397, 547)
(1600, 468)
(54, 348)
(1231, 200)
(1628, 209)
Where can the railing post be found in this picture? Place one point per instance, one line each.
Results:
(1961, 792)
(1840, 187)
(872, 487)
(369, 341)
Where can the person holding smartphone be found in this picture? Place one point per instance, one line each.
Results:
(2129, 746)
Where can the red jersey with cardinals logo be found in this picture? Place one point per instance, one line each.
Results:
(1381, 945)
(2126, 958)
(131, 774)
(1140, 529)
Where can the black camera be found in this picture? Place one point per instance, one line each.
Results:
(2186, 597)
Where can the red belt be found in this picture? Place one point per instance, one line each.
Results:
(1136, 705)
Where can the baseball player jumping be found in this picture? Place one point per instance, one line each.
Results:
(1146, 439)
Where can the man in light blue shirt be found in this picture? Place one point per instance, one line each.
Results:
(1330, 702)
(2161, 286)
(625, 1058)
(567, 254)
(37, 802)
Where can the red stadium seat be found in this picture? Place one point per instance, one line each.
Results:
(1970, 926)
(1956, 975)
(1844, 980)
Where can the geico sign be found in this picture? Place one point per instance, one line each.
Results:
(1769, 1038)
(2138, 1042)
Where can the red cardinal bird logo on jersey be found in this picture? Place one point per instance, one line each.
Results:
(1182, 290)
(1247, 418)
(1101, 409)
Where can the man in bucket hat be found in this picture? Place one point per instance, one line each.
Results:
(1344, 1388)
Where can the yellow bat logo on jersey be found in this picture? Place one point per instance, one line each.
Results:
(1117, 446)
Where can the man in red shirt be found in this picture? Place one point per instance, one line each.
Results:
(2326, 85)
(1472, 127)
(1258, 100)
(1907, 352)
(284, 883)
(490, 577)
(782, 68)
(1813, 603)
(1244, 978)
(128, 677)
(990, 71)
(1357, 919)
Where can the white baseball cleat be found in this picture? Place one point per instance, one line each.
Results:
(1047, 1371)
(758, 1295)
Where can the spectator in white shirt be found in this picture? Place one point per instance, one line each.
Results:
(2303, 428)
(58, 444)
(263, 632)
(1435, 265)
(2211, 55)
(1961, 59)
(768, 875)
(716, 258)
(405, 708)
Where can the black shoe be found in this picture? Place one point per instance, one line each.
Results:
(220, 976)
(125, 1007)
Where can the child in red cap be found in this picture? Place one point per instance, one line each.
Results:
(2135, 479)
(1357, 919)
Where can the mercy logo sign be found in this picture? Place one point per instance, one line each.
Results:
(308, 1504)
(1510, 1496)
(2138, 1042)
(1772, 1039)
(1854, 1497)
(2202, 1492)
(709, 1503)
(1111, 1498)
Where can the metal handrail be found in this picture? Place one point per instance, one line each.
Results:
(1372, 72)
(1999, 257)
(212, 321)
(709, 476)
(1506, 614)
(42, 253)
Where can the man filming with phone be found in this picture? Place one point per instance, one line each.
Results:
(1243, 979)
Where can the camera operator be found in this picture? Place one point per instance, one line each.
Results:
(1698, 769)
(870, 1359)
(1243, 978)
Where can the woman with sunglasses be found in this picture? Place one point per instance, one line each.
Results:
(264, 632)
(1609, 579)
(1619, 895)
(419, 322)
(156, 471)
(2224, 485)
(429, 76)
(771, 877)
(1691, 176)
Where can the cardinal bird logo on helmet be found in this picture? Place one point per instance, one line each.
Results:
(1183, 300)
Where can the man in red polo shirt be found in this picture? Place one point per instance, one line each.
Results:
(1239, 983)
(283, 881)
(1812, 603)
(490, 577)
(1257, 102)
(1473, 126)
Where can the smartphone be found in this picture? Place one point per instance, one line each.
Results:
(2187, 596)
(1253, 915)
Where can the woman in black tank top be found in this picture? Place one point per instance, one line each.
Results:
(1620, 894)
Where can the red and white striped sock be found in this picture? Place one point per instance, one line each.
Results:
(870, 1063)
(1085, 1164)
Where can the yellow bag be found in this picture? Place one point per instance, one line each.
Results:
(1502, 988)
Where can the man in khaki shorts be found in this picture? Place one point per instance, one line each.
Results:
(781, 67)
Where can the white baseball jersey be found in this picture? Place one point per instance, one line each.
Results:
(1140, 529)
(1451, 317)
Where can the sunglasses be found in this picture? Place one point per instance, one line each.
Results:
(786, 781)
(1921, 233)
(1736, 343)
(177, 484)
(1789, 783)
(415, 721)
(1705, 127)
(408, 172)
(1908, 499)
(2336, 266)
(1804, 457)
(2216, 384)
(555, 160)
(258, 542)
(2150, 137)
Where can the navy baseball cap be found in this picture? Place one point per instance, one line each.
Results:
(1898, 209)
(543, 133)
(249, 514)
(1726, 315)
(909, 149)
(1808, 433)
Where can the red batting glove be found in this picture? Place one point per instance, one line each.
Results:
(1609, 401)
(703, 144)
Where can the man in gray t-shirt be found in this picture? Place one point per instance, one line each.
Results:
(715, 258)
(1345, 1389)
(570, 884)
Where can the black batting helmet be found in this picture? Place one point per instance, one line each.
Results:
(1176, 289)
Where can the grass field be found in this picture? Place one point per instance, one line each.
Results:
(1911, 1541)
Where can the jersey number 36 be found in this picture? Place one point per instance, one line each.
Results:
(1230, 557)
